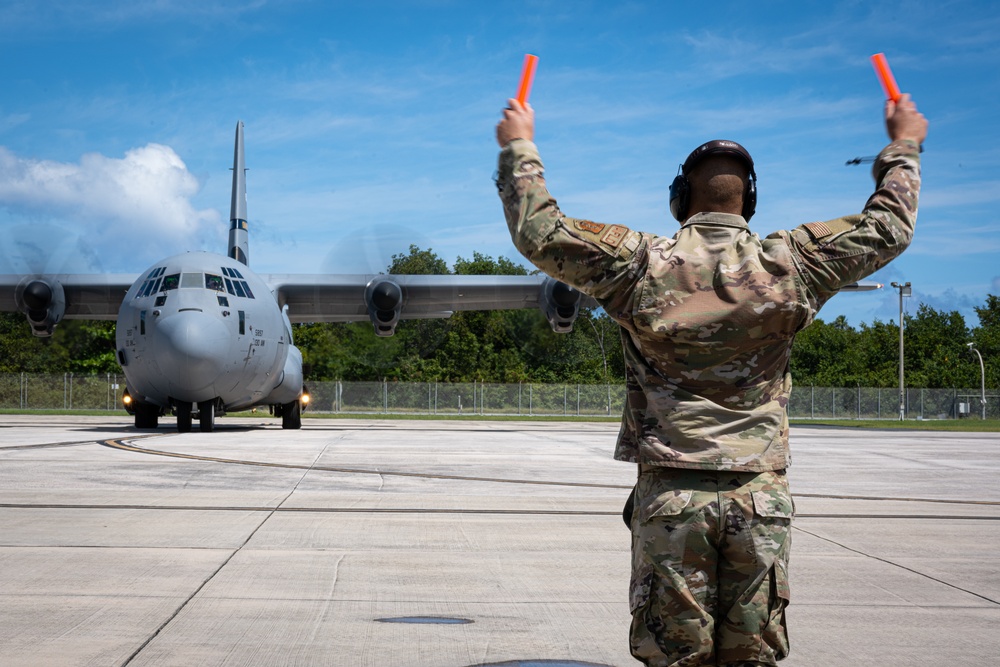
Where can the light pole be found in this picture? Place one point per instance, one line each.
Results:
(904, 290)
(982, 378)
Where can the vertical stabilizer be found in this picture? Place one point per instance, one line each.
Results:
(239, 248)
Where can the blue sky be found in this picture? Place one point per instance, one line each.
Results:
(369, 126)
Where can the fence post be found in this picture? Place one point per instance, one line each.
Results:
(921, 402)
(812, 401)
(859, 401)
(529, 400)
(833, 402)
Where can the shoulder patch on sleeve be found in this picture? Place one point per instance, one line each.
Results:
(821, 231)
(614, 235)
(818, 229)
(588, 226)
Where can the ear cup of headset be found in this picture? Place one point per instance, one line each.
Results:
(680, 197)
(750, 198)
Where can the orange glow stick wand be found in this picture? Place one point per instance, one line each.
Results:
(527, 76)
(885, 77)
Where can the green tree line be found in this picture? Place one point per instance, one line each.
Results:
(519, 346)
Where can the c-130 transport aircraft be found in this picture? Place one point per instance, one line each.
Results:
(199, 334)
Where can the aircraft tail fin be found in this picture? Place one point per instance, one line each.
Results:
(239, 246)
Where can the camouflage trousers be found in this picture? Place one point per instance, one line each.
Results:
(709, 567)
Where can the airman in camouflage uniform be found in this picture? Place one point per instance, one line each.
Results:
(707, 321)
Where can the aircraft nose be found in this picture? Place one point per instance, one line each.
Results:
(191, 350)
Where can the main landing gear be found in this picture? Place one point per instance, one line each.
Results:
(147, 415)
(291, 413)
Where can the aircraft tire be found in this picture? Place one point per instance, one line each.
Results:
(146, 415)
(206, 416)
(183, 417)
(291, 415)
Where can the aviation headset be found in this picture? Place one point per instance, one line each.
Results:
(680, 189)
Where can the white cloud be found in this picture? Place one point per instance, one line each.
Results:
(138, 206)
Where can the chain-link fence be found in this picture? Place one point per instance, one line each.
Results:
(68, 391)
(27, 391)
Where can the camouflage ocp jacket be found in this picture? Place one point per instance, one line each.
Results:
(708, 316)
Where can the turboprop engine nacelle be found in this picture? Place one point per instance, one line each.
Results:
(43, 301)
(384, 299)
(561, 305)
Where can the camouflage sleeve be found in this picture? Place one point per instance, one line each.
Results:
(598, 259)
(842, 251)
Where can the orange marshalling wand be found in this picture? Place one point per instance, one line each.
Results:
(885, 77)
(527, 76)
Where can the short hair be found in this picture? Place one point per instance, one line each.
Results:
(718, 182)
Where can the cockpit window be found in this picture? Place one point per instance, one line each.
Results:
(239, 288)
(191, 280)
(151, 285)
(171, 282)
(214, 282)
(246, 288)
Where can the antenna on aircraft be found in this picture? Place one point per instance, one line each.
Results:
(239, 237)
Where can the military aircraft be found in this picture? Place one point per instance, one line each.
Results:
(200, 334)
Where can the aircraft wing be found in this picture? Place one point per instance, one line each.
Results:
(344, 298)
(386, 299)
(85, 296)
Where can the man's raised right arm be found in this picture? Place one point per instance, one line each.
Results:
(842, 251)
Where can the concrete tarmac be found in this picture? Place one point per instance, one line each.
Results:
(454, 544)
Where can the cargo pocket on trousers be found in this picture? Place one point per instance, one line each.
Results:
(773, 505)
(668, 504)
(775, 634)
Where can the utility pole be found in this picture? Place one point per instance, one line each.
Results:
(982, 378)
(904, 290)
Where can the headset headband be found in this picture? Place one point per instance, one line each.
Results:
(718, 147)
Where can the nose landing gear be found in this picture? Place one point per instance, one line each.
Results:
(206, 411)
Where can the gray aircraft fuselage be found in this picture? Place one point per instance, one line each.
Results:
(200, 327)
